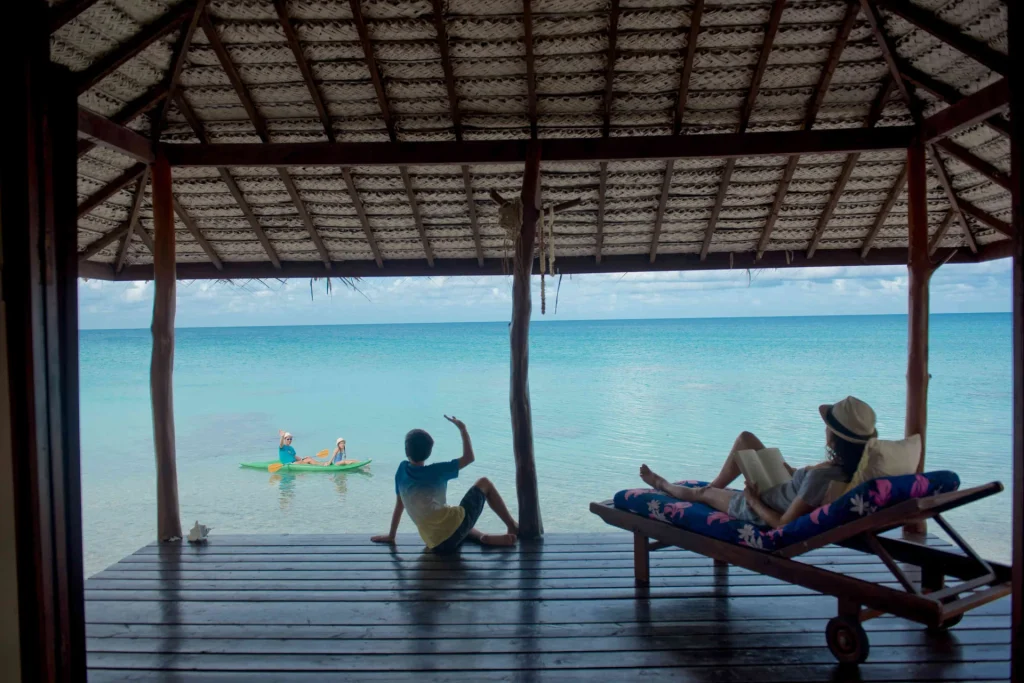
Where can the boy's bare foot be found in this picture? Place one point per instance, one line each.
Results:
(513, 529)
(497, 539)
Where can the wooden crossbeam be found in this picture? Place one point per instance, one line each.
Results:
(948, 94)
(567, 264)
(132, 221)
(988, 219)
(474, 221)
(606, 128)
(229, 181)
(967, 112)
(178, 59)
(774, 19)
(446, 65)
(130, 111)
(110, 189)
(890, 201)
(949, 34)
(67, 12)
(940, 233)
(833, 201)
(197, 234)
(954, 201)
(684, 90)
(887, 48)
(115, 137)
(260, 124)
(531, 71)
(817, 98)
(472, 152)
(977, 163)
(361, 213)
(113, 60)
(410, 192)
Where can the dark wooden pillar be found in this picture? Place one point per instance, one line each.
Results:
(530, 525)
(38, 350)
(1016, 34)
(920, 273)
(162, 363)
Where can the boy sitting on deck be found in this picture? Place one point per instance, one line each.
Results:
(422, 489)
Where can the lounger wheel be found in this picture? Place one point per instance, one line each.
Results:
(847, 640)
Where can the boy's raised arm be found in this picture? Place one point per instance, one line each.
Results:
(396, 517)
(467, 446)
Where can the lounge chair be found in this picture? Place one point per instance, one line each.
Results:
(856, 521)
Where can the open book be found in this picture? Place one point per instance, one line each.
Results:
(764, 467)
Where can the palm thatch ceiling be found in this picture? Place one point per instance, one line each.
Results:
(233, 71)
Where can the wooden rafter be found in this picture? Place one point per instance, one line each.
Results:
(110, 189)
(467, 182)
(890, 200)
(229, 181)
(115, 137)
(197, 234)
(977, 163)
(896, 69)
(116, 58)
(940, 233)
(260, 124)
(967, 112)
(817, 98)
(178, 59)
(531, 71)
(988, 219)
(67, 12)
(132, 221)
(748, 108)
(446, 65)
(684, 90)
(452, 153)
(361, 213)
(129, 112)
(410, 192)
(949, 34)
(606, 128)
(948, 94)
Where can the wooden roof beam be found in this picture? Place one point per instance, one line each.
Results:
(410, 192)
(531, 71)
(474, 221)
(940, 233)
(472, 152)
(225, 176)
(178, 59)
(115, 137)
(116, 58)
(684, 90)
(948, 94)
(818, 96)
(949, 34)
(890, 201)
(361, 212)
(110, 189)
(988, 219)
(132, 221)
(983, 167)
(967, 112)
(197, 234)
(129, 112)
(606, 128)
(954, 201)
(446, 66)
(260, 124)
(68, 11)
(774, 19)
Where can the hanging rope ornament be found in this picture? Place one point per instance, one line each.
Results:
(510, 218)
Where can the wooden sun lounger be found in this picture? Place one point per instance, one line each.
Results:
(932, 602)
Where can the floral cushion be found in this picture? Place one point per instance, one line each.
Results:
(869, 497)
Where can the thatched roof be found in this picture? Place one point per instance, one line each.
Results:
(489, 62)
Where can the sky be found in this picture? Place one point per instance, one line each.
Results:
(959, 288)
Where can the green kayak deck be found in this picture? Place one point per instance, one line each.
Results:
(296, 467)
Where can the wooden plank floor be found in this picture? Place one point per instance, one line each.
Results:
(314, 608)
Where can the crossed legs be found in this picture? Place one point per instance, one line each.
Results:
(714, 494)
(496, 503)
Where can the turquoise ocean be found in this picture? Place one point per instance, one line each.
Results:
(606, 395)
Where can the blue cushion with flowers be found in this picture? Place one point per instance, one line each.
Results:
(869, 497)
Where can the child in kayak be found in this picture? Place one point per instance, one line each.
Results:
(339, 457)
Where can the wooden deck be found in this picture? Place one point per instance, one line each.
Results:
(314, 608)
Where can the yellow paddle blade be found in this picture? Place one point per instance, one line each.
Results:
(274, 467)
(323, 454)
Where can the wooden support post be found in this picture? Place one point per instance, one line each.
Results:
(1015, 12)
(162, 363)
(641, 559)
(530, 525)
(920, 273)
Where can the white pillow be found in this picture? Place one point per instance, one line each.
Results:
(887, 459)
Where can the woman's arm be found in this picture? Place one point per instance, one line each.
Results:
(396, 517)
(797, 509)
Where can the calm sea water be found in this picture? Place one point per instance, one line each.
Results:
(607, 396)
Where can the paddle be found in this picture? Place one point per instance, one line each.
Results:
(274, 467)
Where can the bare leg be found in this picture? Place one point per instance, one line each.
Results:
(492, 539)
(709, 495)
(731, 469)
(496, 503)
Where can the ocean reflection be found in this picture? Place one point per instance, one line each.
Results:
(286, 482)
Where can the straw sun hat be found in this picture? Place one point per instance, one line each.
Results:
(851, 419)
